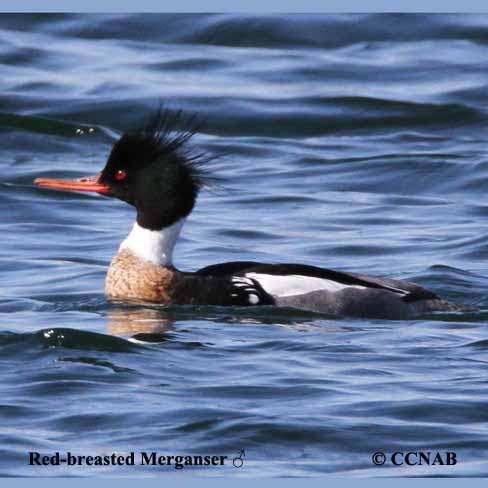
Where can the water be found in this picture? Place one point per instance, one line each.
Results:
(350, 142)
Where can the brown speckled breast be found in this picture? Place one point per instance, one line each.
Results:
(130, 277)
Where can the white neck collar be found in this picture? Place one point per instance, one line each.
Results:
(155, 246)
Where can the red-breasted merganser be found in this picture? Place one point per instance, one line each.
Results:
(152, 170)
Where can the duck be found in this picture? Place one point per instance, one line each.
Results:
(155, 170)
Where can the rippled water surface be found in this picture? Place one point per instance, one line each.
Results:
(350, 142)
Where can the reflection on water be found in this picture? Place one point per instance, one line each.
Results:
(143, 321)
(155, 322)
(344, 141)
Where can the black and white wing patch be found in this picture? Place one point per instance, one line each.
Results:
(283, 280)
(290, 285)
(291, 280)
(245, 291)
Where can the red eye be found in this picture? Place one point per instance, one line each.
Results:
(120, 175)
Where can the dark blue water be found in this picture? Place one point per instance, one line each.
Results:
(350, 142)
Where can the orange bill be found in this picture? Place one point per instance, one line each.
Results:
(87, 183)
